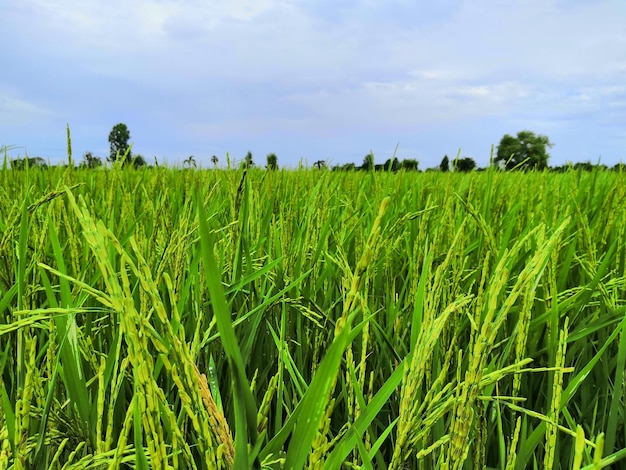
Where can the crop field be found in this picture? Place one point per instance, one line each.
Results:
(215, 319)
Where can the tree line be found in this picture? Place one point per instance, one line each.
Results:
(525, 151)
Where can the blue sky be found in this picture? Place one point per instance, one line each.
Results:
(314, 80)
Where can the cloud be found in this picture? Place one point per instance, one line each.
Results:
(405, 103)
(249, 69)
(252, 41)
(14, 110)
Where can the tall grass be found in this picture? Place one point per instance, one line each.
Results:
(247, 319)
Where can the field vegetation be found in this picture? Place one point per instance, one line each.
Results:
(204, 319)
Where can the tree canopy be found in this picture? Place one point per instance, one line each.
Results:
(248, 162)
(118, 143)
(272, 161)
(31, 162)
(445, 164)
(464, 165)
(138, 161)
(90, 161)
(410, 164)
(392, 164)
(526, 151)
(368, 162)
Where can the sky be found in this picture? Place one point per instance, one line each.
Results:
(313, 80)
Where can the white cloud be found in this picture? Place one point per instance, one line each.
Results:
(116, 24)
(14, 110)
(250, 40)
(205, 68)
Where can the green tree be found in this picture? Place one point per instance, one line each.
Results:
(190, 162)
(20, 163)
(445, 164)
(392, 164)
(410, 164)
(320, 164)
(90, 161)
(345, 167)
(138, 161)
(464, 165)
(248, 162)
(584, 166)
(118, 143)
(214, 160)
(526, 151)
(272, 161)
(368, 162)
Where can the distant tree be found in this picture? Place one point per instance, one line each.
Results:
(118, 143)
(90, 161)
(410, 164)
(248, 161)
(215, 160)
(191, 161)
(620, 167)
(138, 161)
(272, 161)
(392, 165)
(20, 163)
(345, 167)
(368, 162)
(464, 165)
(583, 166)
(320, 164)
(526, 151)
(561, 168)
(445, 164)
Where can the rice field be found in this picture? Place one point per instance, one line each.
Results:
(165, 318)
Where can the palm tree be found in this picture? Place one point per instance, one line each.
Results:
(190, 161)
(320, 164)
(214, 160)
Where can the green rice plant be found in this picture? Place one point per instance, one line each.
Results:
(160, 318)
